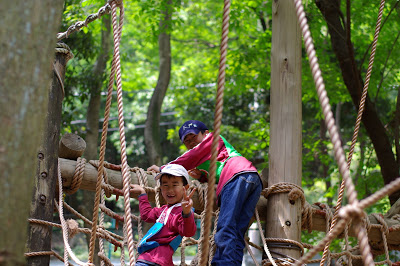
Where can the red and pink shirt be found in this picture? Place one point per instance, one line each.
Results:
(202, 152)
(176, 225)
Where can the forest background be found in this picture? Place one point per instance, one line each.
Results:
(170, 56)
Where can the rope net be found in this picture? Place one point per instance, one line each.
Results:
(385, 228)
(343, 222)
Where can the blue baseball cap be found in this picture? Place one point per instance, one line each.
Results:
(191, 126)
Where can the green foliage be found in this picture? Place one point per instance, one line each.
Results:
(195, 31)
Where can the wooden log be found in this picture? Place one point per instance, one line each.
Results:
(71, 146)
(318, 217)
(114, 179)
(283, 218)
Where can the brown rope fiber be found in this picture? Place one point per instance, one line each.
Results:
(359, 117)
(217, 130)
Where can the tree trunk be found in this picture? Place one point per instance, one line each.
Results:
(152, 129)
(27, 41)
(354, 83)
(93, 114)
(283, 217)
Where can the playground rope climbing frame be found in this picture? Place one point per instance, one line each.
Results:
(354, 210)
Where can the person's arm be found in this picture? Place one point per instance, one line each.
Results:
(199, 174)
(147, 213)
(185, 225)
(196, 156)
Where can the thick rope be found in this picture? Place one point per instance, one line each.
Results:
(117, 30)
(251, 252)
(124, 160)
(217, 130)
(348, 212)
(47, 253)
(332, 129)
(80, 24)
(78, 176)
(263, 239)
(65, 226)
(359, 117)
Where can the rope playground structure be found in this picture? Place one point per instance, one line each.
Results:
(343, 222)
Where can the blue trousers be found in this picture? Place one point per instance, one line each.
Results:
(238, 200)
(142, 263)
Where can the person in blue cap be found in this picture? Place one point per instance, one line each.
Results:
(172, 221)
(238, 187)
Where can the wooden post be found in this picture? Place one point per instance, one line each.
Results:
(284, 217)
(42, 205)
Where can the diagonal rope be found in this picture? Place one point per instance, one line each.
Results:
(359, 117)
(271, 260)
(332, 129)
(80, 24)
(217, 130)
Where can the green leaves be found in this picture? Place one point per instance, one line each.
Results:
(195, 39)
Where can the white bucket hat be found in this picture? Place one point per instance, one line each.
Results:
(175, 170)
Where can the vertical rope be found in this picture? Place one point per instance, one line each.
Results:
(332, 129)
(124, 162)
(101, 241)
(359, 117)
(67, 248)
(115, 69)
(217, 130)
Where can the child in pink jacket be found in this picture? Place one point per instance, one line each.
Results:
(172, 221)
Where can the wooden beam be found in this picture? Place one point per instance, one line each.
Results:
(114, 179)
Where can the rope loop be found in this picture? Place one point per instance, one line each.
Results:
(294, 190)
(64, 49)
(78, 176)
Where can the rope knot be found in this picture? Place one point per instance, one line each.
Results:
(294, 194)
(73, 227)
(351, 211)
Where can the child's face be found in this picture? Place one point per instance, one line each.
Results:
(191, 140)
(172, 189)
